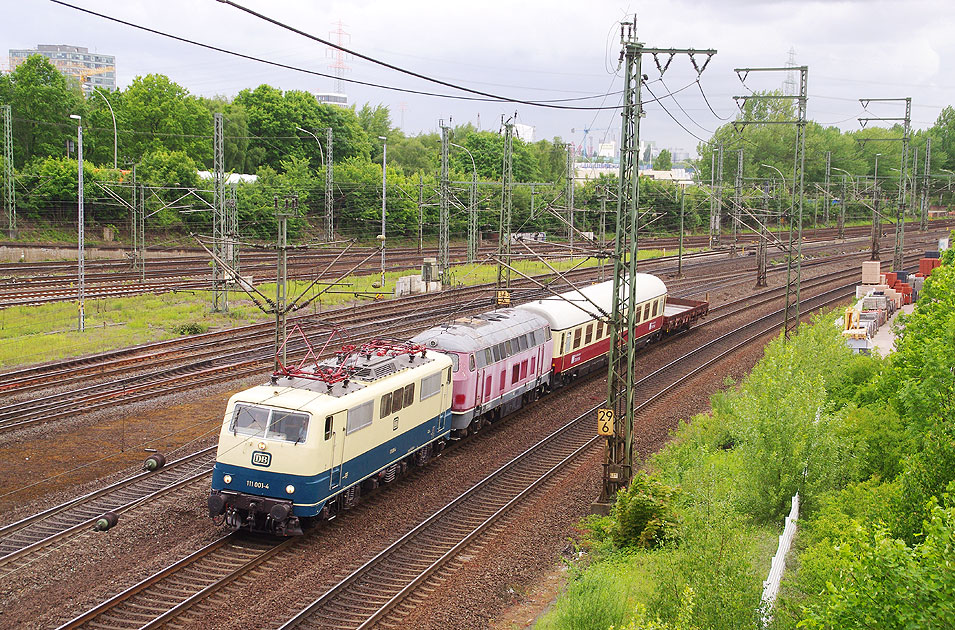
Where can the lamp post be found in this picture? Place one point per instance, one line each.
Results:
(81, 272)
(842, 204)
(102, 93)
(472, 217)
(384, 186)
(320, 151)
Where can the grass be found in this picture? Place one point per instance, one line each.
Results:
(35, 334)
(604, 594)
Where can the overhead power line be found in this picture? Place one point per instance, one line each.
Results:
(489, 97)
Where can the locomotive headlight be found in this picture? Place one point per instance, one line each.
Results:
(227, 479)
(290, 489)
(262, 446)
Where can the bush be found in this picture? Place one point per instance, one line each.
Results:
(643, 515)
(190, 328)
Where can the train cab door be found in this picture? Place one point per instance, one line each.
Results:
(335, 435)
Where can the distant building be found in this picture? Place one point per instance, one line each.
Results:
(607, 150)
(332, 98)
(90, 69)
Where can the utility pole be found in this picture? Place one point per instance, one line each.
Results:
(472, 219)
(504, 227)
(281, 276)
(679, 258)
(220, 303)
(443, 216)
(384, 187)
(603, 225)
(615, 421)
(9, 194)
(420, 212)
(825, 214)
(762, 246)
(842, 210)
(80, 227)
(903, 183)
(329, 188)
(738, 200)
(794, 250)
(716, 207)
(232, 230)
(876, 216)
(140, 254)
(570, 196)
(903, 168)
(923, 214)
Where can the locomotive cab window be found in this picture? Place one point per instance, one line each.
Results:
(472, 365)
(454, 361)
(249, 420)
(274, 424)
(328, 427)
(385, 409)
(288, 426)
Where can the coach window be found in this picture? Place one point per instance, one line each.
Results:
(409, 395)
(397, 400)
(577, 338)
(328, 427)
(496, 353)
(567, 341)
(646, 311)
(655, 305)
(516, 373)
(385, 409)
(589, 335)
(488, 356)
(430, 385)
(508, 348)
(503, 379)
(600, 330)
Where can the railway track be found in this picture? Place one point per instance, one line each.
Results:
(19, 541)
(28, 535)
(376, 591)
(226, 356)
(37, 283)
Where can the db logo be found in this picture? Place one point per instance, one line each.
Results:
(261, 459)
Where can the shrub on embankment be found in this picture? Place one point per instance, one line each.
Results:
(868, 443)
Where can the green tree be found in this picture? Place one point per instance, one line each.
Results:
(235, 129)
(157, 114)
(42, 101)
(880, 582)
(664, 161)
(273, 118)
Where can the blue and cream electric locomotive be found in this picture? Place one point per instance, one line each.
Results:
(304, 445)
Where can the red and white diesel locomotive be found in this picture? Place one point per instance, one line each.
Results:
(509, 357)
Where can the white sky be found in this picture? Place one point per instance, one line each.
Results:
(532, 50)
